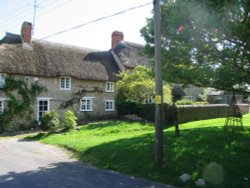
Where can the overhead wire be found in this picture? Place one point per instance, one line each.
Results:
(95, 20)
(26, 14)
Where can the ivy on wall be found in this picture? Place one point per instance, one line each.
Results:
(20, 96)
(76, 96)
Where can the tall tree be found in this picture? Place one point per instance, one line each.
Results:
(205, 43)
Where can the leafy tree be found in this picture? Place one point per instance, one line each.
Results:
(204, 43)
(137, 85)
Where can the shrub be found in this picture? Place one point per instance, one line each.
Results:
(184, 102)
(50, 122)
(69, 120)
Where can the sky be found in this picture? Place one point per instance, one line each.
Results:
(53, 16)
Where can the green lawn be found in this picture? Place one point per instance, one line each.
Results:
(204, 149)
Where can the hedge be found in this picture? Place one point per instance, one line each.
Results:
(188, 113)
(145, 111)
(185, 113)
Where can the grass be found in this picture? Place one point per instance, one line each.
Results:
(204, 150)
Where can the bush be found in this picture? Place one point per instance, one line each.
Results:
(69, 120)
(50, 122)
(184, 102)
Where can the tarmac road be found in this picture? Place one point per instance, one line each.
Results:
(28, 164)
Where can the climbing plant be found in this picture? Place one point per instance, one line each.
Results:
(20, 96)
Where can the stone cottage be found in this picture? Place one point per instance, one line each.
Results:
(84, 78)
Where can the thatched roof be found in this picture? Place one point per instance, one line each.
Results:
(53, 59)
(131, 54)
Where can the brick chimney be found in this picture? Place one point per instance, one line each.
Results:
(117, 37)
(26, 32)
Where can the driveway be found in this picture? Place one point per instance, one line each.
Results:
(28, 164)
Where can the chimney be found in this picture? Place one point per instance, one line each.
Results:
(117, 37)
(26, 32)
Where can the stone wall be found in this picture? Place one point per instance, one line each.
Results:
(83, 88)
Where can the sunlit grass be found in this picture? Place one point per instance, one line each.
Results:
(204, 150)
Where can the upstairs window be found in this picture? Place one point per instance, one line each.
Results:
(2, 80)
(86, 104)
(65, 83)
(110, 87)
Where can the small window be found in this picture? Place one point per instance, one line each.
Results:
(109, 105)
(65, 83)
(1, 106)
(191, 98)
(86, 104)
(2, 80)
(110, 86)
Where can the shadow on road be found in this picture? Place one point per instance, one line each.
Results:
(72, 175)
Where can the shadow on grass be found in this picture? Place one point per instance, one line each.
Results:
(190, 153)
(37, 137)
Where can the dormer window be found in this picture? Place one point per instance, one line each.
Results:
(110, 87)
(65, 83)
(2, 80)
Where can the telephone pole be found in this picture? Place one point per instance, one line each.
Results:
(34, 17)
(158, 88)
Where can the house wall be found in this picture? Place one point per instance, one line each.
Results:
(193, 92)
(57, 97)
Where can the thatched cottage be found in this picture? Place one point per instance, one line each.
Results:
(80, 76)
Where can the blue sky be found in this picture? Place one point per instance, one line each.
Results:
(57, 15)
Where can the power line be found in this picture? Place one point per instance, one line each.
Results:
(96, 20)
(23, 13)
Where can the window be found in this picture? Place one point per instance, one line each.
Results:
(65, 83)
(43, 105)
(2, 80)
(191, 98)
(110, 86)
(109, 105)
(86, 104)
(1, 106)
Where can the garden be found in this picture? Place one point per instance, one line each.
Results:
(204, 150)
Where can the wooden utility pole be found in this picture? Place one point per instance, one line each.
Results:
(158, 88)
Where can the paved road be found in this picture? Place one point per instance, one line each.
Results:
(26, 164)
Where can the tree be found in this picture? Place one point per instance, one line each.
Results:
(138, 85)
(204, 43)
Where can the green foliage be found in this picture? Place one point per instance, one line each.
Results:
(20, 96)
(50, 122)
(138, 86)
(212, 49)
(184, 102)
(145, 111)
(128, 147)
(69, 120)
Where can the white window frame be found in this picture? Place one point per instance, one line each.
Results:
(63, 83)
(86, 107)
(38, 109)
(189, 97)
(109, 107)
(110, 87)
(2, 80)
